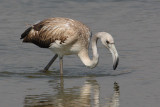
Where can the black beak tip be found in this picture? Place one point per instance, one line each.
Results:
(116, 64)
(114, 68)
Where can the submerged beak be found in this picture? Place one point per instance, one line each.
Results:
(115, 57)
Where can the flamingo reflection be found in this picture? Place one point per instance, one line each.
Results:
(86, 96)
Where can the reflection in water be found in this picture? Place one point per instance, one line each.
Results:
(85, 96)
(114, 101)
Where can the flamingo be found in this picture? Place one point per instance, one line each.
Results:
(65, 36)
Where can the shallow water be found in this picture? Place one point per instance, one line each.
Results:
(135, 27)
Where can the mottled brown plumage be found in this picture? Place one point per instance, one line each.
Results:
(66, 37)
(49, 30)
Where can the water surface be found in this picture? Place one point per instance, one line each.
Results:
(135, 27)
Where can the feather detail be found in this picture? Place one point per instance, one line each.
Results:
(49, 30)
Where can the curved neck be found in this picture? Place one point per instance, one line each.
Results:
(83, 54)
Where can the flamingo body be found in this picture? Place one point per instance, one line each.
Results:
(66, 36)
(62, 35)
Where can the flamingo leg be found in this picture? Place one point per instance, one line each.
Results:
(61, 65)
(50, 62)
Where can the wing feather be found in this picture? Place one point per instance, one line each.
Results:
(48, 31)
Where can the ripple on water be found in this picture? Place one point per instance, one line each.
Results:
(67, 73)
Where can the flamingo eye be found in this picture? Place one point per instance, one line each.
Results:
(107, 42)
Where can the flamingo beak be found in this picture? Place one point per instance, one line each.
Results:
(115, 56)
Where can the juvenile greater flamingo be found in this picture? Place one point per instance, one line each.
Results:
(66, 36)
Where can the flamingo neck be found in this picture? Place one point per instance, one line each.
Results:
(85, 57)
